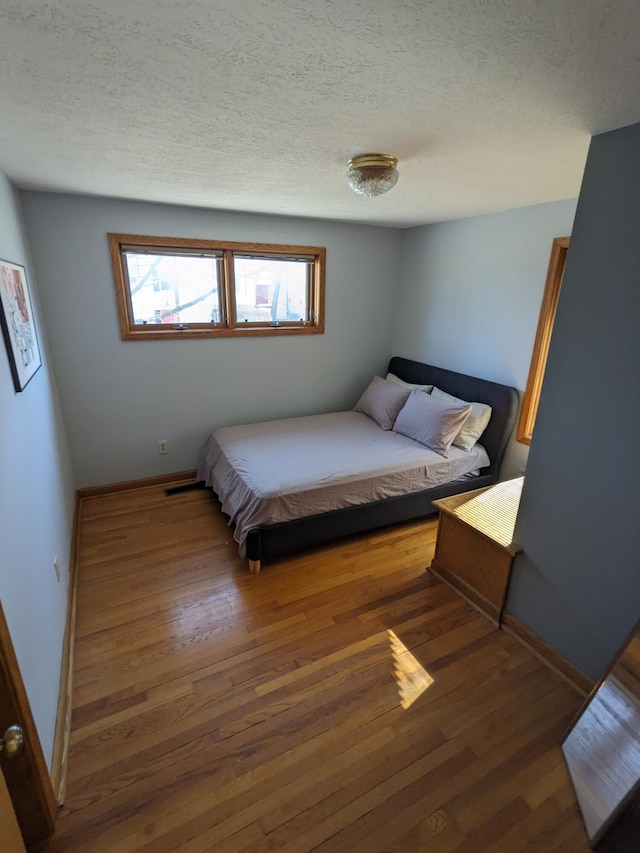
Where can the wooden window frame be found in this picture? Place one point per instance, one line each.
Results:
(229, 326)
(546, 320)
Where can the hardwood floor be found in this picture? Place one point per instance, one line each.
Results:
(341, 700)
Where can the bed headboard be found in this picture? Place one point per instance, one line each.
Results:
(503, 399)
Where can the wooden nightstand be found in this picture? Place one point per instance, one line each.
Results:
(474, 548)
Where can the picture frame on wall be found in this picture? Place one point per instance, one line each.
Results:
(18, 324)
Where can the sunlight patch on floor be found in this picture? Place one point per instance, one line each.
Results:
(411, 677)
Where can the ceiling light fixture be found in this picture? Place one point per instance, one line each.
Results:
(372, 174)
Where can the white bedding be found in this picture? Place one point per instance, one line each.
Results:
(276, 471)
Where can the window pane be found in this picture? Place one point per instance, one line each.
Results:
(173, 288)
(271, 290)
(177, 287)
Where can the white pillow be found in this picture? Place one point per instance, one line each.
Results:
(475, 424)
(391, 377)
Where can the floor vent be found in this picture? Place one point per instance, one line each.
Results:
(189, 487)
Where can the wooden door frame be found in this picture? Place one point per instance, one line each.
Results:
(547, 317)
(12, 840)
(26, 774)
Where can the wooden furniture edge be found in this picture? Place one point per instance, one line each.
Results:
(631, 796)
(471, 595)
(131, 485)
(581, 682)
(443, 505)
(596, 685)
(62, 733)
(43, 808)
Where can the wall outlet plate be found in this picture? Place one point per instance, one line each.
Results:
(163, 446)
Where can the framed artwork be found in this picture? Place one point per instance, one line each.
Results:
(18, 325)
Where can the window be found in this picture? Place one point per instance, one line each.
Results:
(543, 338)
(170, 288)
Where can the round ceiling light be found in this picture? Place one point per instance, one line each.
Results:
(372, 174)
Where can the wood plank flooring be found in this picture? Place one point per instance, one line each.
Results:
(342, 700)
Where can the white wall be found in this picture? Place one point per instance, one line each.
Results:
(120, 397)
(470, 293)
(577, 583)
(36, 505)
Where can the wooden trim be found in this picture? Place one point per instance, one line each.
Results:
(543, 338)
(228, 277)
(560, 665)
(212, 245)
(139, 333)
(129, 330)
(63, 718)
(466, 591)
(131, 485)
(120, 279)
(320, 272)
(37, 809)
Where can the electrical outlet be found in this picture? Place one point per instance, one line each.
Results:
(163, 446)
(56, 566)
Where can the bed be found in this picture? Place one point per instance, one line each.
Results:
(297, 483)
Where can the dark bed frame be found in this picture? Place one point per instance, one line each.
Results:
(276, 540)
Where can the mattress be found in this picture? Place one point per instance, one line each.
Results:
(276, 471)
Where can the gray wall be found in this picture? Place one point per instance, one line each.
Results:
(470, 293)
(577, 585)
(36, 505)
(120, 397)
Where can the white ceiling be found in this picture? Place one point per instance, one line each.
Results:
(257, 105)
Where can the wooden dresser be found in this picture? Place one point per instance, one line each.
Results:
(474, 548)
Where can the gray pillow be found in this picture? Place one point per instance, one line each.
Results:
(382, 401)
(475, 424)
(432, 422)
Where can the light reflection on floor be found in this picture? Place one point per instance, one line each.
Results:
(412, 678)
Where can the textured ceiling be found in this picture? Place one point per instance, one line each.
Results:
(257, 105)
